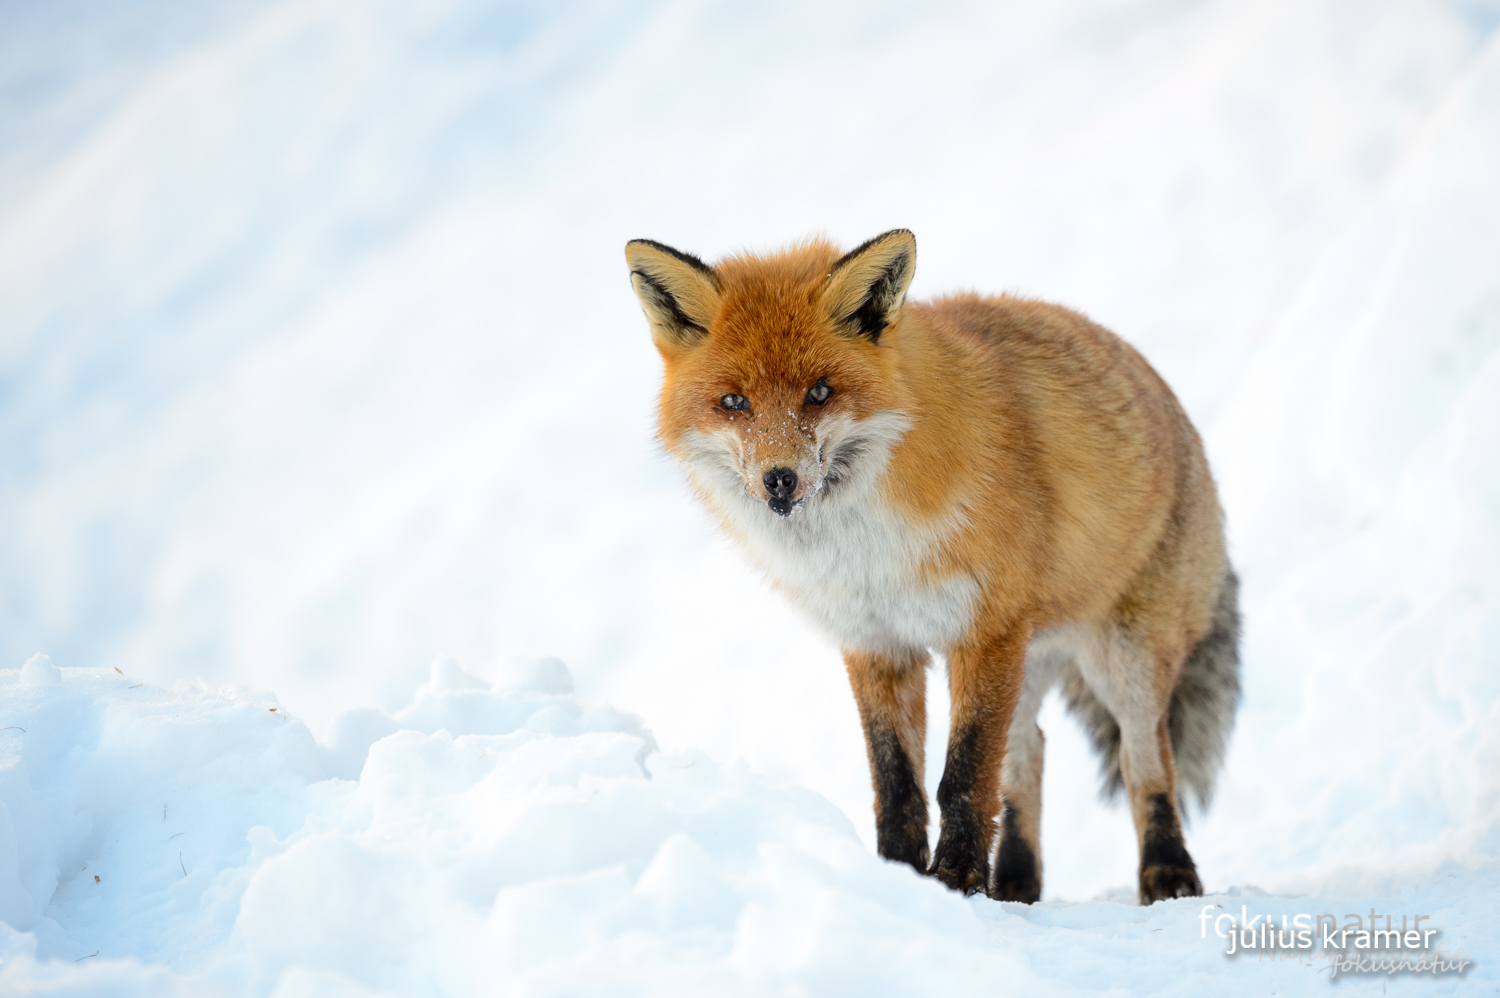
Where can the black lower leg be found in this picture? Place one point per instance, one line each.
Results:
(962, 857)
(900, 803)
(1167, 871)
(1016, 875)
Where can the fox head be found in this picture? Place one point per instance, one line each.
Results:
(780, 383)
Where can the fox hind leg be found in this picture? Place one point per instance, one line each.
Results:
(1018, 857)
(1166, 870)
(891, 693)
(1135, 685)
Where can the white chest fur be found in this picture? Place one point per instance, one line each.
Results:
(846, 558)
(853, 569)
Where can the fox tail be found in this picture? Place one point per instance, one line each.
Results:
(1199, 718)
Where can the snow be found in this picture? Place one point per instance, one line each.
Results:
(507, 836)
(317, 361)
(39, 671)
(497, 834)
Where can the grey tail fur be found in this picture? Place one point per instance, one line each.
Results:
(1199, 718)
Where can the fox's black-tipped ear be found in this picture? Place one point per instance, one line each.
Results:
(679, 292)
(868, 285)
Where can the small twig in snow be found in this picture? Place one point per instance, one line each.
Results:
(181, 863)
(171, 837)
(83, 958)
(14, 727)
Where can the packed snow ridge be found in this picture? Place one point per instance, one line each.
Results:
(485, 833)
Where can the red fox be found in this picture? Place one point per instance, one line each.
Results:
(996, 479)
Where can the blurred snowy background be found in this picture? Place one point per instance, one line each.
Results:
(318, 359)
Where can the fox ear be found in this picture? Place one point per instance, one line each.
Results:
(868, 284)
(679, 292)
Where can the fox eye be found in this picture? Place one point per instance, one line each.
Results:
(735, 403)
(820, 393)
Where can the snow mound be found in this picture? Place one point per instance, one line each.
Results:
(154, 840)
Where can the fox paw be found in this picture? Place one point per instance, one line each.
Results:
(905, 853)
(1017, 872)
(1026, 889)
(1160, 882)
(968, 880)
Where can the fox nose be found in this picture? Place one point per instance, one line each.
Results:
(780, 484)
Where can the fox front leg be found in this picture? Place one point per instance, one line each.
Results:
(891, 691)
(985, 679)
